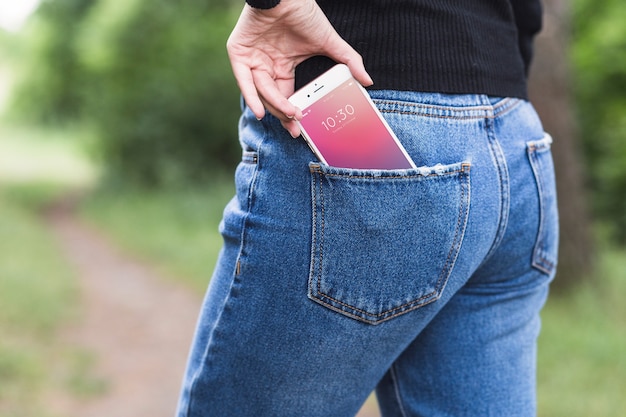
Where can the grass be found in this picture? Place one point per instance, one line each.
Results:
(176, 230)
(582, 356)
(46, 156)
(38, 289)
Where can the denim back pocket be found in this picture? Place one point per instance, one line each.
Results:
(545, 252)
(385, 242)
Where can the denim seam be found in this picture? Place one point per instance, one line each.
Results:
(396, 389)
(314, 237)
(413, 304)
(249, 198)
(505, 106)
(539, 260)
(437, 116)
(470, 113)
(503, 182)
(251, 158)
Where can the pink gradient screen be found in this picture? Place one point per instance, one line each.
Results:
(348, 133)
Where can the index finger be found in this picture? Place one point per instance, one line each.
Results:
(270, 90)
(245, 81)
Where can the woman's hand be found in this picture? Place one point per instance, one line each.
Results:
(266, 46)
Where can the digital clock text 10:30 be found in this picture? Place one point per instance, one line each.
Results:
(341, 115)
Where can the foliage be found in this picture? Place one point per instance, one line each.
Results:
(151, 75)
(162, 93)
(154, 78)
(598, 56)
(7, 45)
(51, 76)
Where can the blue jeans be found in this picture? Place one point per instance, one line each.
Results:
(425, 285)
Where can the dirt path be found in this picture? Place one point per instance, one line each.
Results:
(137, 323)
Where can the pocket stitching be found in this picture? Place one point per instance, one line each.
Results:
(540, 261)
(463, 168)
(375, 318)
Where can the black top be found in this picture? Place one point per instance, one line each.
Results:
(445, 46)
(263, 4)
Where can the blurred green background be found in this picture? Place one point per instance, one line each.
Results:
(131, 105)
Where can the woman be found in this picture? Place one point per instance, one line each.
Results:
(334, 282)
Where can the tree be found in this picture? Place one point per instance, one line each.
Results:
(550, 91)
(151, 76)
(51, 79)
(599, 42)
(162, 94)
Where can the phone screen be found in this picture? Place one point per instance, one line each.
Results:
(348, 133)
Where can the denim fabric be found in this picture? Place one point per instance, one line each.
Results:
(423, 284)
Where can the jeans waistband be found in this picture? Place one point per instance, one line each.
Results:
(456, 106)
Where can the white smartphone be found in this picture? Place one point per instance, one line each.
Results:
(343, 127)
